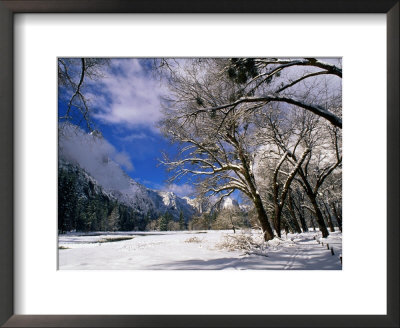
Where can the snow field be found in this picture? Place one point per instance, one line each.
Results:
(197, 250)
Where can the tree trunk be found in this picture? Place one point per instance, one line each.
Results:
(300, 211)
(286, 229)
(312, 222)
(319, 217)
(233, 226)
(303, 223)
(338, 217)
(328, 215)
(277, 219)
(249, 177)
(293, 214)
(296, 224)
(263, 218)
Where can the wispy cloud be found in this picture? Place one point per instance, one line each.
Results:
(129, 95)
(123, 159)
(180, 190)
(136, 136)
(93, 153)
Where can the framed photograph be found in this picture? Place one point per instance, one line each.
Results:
(184, 165)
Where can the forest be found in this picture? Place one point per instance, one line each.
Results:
(269, 129)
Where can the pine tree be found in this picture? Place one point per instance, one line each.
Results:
(90, 223)
(67, 201)
(81, 214)
(164, 221)
(113, 218)
(181, 221)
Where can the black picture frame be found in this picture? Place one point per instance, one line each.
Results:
(10, 7)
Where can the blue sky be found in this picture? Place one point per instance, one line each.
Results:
(126, 106)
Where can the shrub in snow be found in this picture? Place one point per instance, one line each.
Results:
(277, 242)
(242, 241)
(193, 240)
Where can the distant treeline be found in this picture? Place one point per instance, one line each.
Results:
(83, 206)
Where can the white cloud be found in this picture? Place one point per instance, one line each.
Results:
(180, 190)
(136, 136)
(128, 95)
(93, 153)
(124, 160)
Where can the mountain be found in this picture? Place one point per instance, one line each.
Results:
(210, 204)
(166, 201)
(229, 203)
(87, 160)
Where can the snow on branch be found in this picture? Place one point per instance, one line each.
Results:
(335, 120)
(302, 62)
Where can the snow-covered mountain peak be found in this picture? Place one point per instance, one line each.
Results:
(191, 201)
(169, 198)
(229, 203)
(94, 155)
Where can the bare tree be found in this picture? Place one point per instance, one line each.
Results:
(296, 205)
(314, 174)
(281, 132)
(230, 218)
(72, 75)
(279, 197)
(219, 154)
(294, 133)
(262, 81)
(332, 197)
(213, 112)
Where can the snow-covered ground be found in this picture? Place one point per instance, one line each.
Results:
(197, 250)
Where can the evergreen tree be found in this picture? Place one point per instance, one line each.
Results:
(113, 219)
(81, 214)
(145, 222)
(89, 224)
(67, 201)
(164, 221)
(182, 224)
